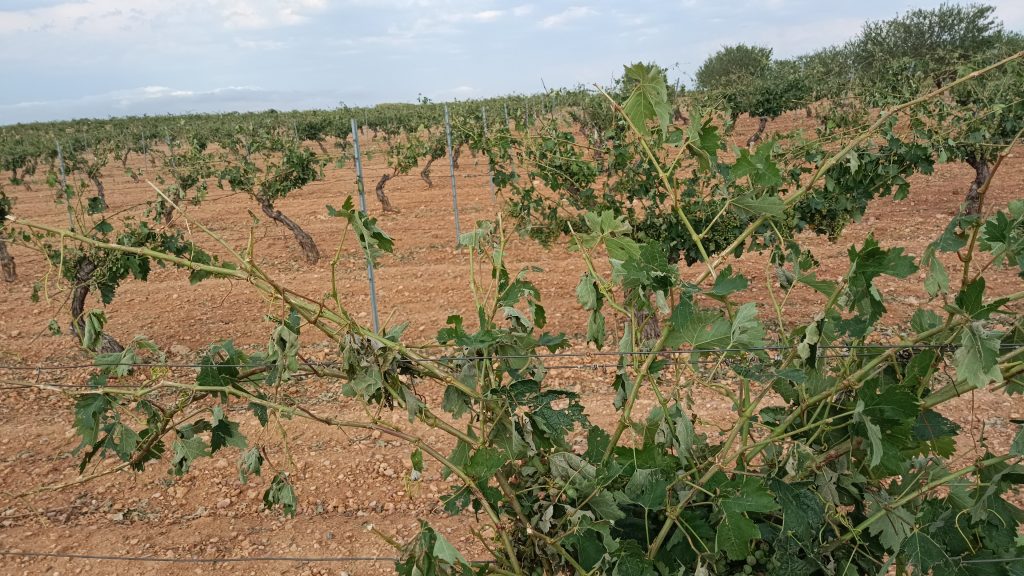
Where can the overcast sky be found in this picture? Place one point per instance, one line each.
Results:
(98, 58)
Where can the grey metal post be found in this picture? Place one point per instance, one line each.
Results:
(362, 208)
(64, 188)
(451, 169)
(507, 125)
(490, 170)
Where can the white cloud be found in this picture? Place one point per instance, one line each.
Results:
(105, 17)
(568, 15)
(482, 16)
(523, 10)
(457, 92)
(261, 14)
(263, 45)
(164, 100)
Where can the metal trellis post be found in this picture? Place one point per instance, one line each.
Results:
(362, 208)
(451, 169)
(490, 170)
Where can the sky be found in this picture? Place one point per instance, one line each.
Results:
(65, 59)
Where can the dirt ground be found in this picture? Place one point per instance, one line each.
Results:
(345, 482)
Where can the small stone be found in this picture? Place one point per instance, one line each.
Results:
(220, 464)
(223, 503)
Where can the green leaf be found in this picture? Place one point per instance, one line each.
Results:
(595, 329)
(767, 205)
(976, 360)
(587, 293)
(874, 434)
(186, 451)
(747, 331)
(225, 433)
(89, 412)
(937, 280)
(734, 534)
(700, 329)
(417, 460)
(445, 552)
(747, 494)
(569, 467)
(603, 504)
(894, 525)
(802, 509)
(1017, 447)
(459, 457)
(924, 320)
(484, 463)
(280, 493)
(726, 283)
(763, 173)
(926, 554)
(375, 242)
(648, 97)
(647, 488)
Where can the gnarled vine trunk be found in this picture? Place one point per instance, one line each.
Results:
(99, 187)
(456, 150)
(309, 250)
(7, 268)
(972, 203)
(83, 278)
(762, 123)
(379, 190)
(425, 173)
(168, 211)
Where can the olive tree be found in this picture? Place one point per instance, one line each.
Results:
(751, 82)
(928, 48)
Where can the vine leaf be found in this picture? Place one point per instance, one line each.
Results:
(648, 99)
(186, 451)
(894, 526)
(735, 532)
(280, 493)
(976, 360)
(727, 283)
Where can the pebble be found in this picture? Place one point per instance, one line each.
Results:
(223, 503)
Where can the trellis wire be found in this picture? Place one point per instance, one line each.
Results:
(180, 560)
(872, 350)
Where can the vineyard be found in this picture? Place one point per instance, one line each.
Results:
(768, 325)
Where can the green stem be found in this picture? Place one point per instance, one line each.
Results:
(633, 394)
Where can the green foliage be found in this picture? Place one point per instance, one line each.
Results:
(733, 65)
(923, 46)
(839, 457)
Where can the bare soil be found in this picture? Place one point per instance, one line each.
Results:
(345, 481)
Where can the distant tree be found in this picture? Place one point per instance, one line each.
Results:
(922, 49)
(731, 65)
(828, 73)
(926, 48)
(752, 83)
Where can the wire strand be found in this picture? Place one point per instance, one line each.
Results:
(227, 560)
